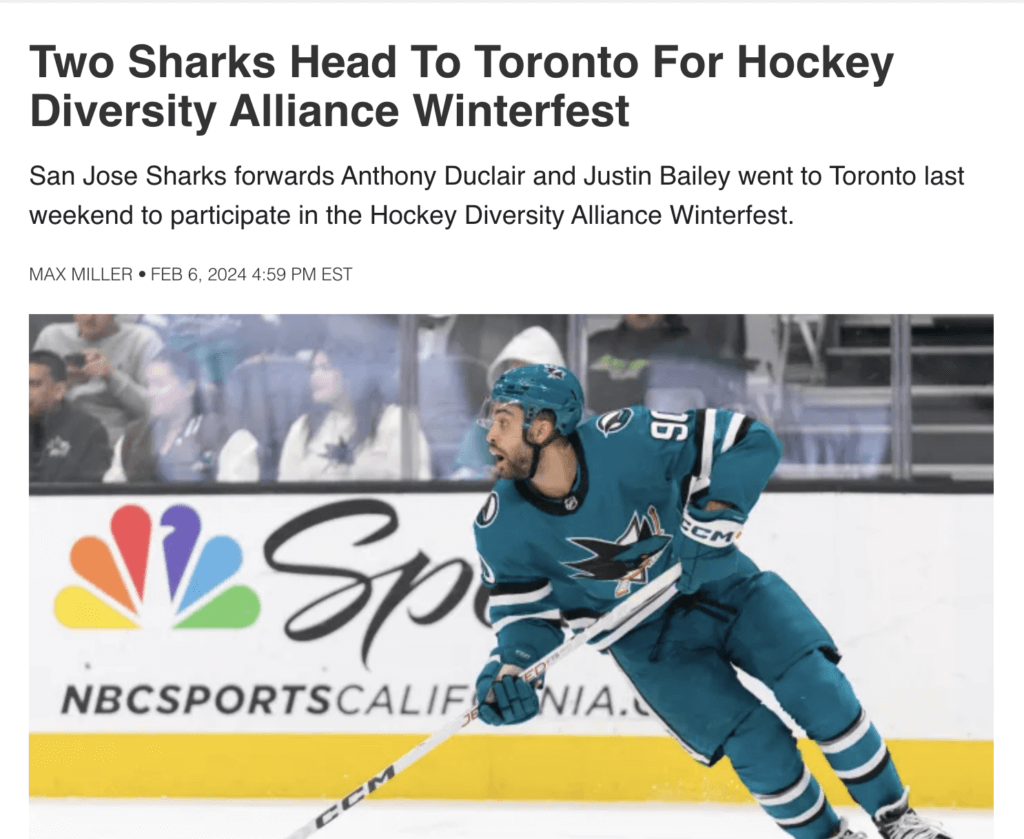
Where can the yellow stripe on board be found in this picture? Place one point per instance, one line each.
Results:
(942, 773)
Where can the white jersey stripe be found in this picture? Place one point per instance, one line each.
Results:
(864, 768)
(841, 744)
(788, 795)
(497, 600)
(731, 432)
(549, 615)
(707, 444)
(806, 814)
(578, 623)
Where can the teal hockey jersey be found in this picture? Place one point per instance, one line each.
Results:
(636, 511)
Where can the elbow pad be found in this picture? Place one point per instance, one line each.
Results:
(719, 529)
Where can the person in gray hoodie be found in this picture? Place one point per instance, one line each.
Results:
(106, 363)
(534, 345)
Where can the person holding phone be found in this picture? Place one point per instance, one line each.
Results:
(106, 367)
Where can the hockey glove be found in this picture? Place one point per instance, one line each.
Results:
(504, 698)
(718, 529)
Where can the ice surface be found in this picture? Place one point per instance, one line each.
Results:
(375, 819)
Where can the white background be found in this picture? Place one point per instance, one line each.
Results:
(951, 99)
(946, 103)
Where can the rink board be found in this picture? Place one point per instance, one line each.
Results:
(294, 701)
(468, 767)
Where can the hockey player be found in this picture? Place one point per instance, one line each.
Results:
(582, 513)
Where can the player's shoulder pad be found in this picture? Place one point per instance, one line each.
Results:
(497, 528)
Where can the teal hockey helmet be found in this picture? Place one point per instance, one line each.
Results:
(542, 387)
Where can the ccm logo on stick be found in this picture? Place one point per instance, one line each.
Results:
(353, 798)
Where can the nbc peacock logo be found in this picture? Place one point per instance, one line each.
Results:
(119, 591)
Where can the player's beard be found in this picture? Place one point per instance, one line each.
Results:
(514, 465)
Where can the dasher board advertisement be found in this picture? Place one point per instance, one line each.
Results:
(366, 612)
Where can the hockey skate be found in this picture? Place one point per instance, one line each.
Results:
(846, 832)
(898, 821)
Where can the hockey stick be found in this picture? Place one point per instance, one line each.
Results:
(628, 608)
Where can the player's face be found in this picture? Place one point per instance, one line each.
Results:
(512, 457)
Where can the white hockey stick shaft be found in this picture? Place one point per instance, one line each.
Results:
(621, 613)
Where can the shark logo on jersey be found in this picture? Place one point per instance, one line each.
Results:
(554, 371)
(486, 571)
(614, 421)
(626, 560)
(489, 512)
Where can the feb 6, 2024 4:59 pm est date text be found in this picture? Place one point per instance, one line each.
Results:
(175, 274)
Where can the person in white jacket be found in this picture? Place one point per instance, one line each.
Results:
(348, 435)
(180, 441)
(534, 345)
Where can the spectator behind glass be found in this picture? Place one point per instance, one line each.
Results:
(350, 433)
(64, 444)
(657, 357)
(534, 345)
(37, 323)
(181, 442)
(106, 364)
(211, 341)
